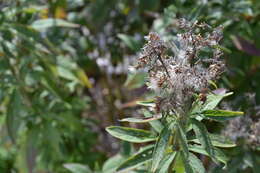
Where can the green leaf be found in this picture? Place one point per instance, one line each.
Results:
(112, 163)
(211, 102)
(50, 22)
(183, 141)
(138, 159)
(130, 42)
(218, 141)
(131, 134)
(178, 164)
(48, 81)
(5, 46)
(66, 73)
(192, 164)
(220, 115)
(166, 162)
(149, 103)
(255, 162)
(32, 141)
(4, 65)
(14, 114)
(224, 49)
(203, 136)
(135, 80)
(53, 138)
(196, 12)
(77, 168)
(219, 155)
(186, 162)
(139, 120)
(127, 148)
(156, 124)
(83, 78)
(196, 164)
(161, 145)
(27, 31)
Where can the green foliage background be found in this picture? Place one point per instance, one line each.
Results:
(63, 71)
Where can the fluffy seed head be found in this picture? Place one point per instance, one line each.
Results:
(175, 78)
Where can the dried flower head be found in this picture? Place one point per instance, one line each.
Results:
(175, 78)
(245, 128)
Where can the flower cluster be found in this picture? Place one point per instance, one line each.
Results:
(177, 69)
(245, 128)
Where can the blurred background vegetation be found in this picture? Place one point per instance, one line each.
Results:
(64, 77)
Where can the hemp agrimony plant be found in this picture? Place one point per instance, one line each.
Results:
(181, 73)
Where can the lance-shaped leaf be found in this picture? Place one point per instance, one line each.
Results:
(186, 162)
(211, 102)
(193, 164)
(161, 145)
(255, 162)
(220, 115)
(138, 159)
(15, 112)
(130, 42)
(156, 124)
(196, 12)
(224, 49)
(112, 163)
(50, 22)
(220, 156)
(77, 168)
(166, 162)
(148, 103)
(203, 136)
(27, 31)
(196, 164)
(139, 120)
(131, 134)
(179, 164)
(183, 140)
(83, 78)
(218, 141)
(135, 80)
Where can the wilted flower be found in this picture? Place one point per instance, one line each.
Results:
(176, 78)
